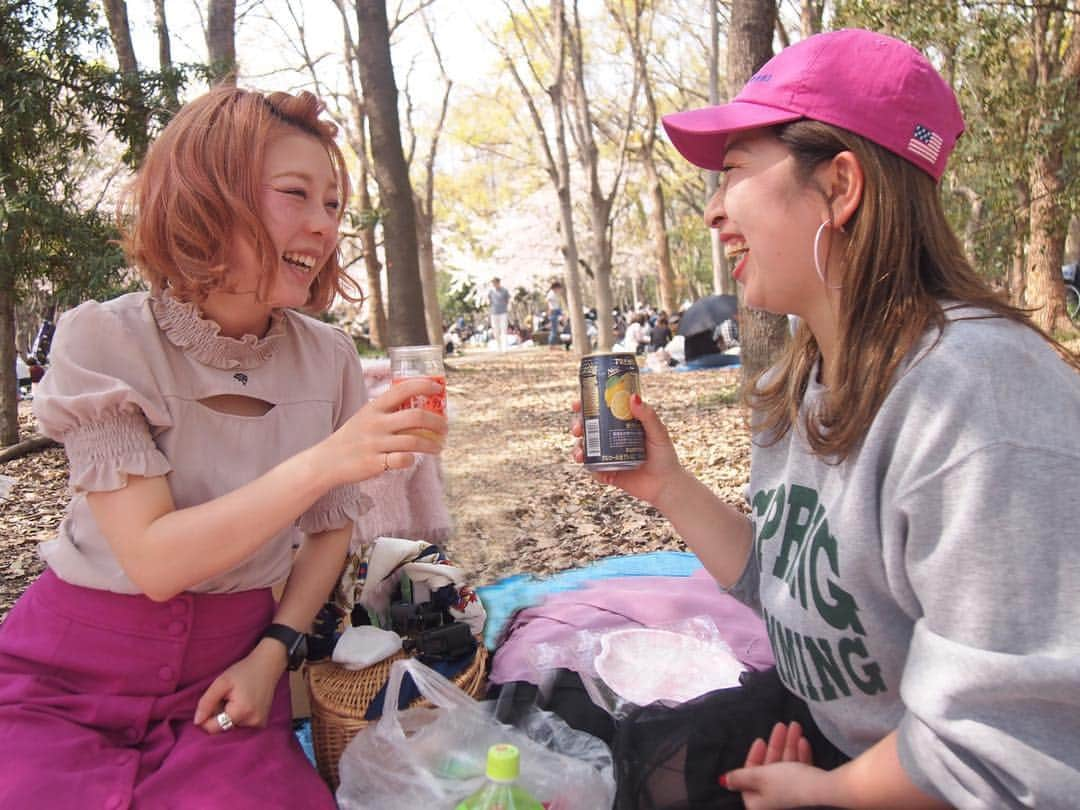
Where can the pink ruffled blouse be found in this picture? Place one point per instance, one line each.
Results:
(124, 395)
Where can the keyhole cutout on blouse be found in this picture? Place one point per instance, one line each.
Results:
(237, 405)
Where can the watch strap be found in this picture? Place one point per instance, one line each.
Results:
(293, 641)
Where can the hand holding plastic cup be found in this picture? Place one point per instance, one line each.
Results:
(410, 362)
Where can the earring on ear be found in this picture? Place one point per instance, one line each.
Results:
(817, 261)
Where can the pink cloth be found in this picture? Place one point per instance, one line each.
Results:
(79, 730)
(629, 602)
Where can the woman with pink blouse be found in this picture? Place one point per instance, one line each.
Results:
(216, 439)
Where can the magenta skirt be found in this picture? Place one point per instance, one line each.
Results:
(97, 699)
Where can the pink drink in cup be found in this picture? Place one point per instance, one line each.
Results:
(410, 362)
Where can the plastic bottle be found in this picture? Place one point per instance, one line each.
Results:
(500, 792)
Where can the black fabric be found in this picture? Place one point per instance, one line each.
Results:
(566, 697)
(670, 758)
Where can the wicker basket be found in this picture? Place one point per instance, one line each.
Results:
(340, 697)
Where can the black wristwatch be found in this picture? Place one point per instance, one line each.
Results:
(295, 642)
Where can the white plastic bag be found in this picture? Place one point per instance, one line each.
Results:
(425, 757)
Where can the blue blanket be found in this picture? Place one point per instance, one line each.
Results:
(503, 598)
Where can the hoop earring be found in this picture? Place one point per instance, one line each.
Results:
(817, 262)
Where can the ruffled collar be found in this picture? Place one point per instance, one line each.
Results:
(201, 339)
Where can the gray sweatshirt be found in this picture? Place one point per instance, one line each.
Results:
(931, 582)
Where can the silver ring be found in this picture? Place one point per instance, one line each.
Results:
(225, 721)
(385, 462)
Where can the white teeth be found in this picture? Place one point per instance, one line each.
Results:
(307, 262)
(735, 251)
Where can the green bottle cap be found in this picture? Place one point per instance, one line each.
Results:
(503, 762)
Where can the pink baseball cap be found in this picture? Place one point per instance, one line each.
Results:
(870, 84)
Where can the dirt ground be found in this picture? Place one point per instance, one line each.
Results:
(519, 504)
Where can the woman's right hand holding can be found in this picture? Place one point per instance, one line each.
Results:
(661, 466)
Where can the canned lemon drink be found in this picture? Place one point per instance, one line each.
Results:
(614, 440)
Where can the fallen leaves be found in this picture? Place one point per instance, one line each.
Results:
(30, 513)
(521, 505)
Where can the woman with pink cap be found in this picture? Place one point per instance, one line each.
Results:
(908, 543)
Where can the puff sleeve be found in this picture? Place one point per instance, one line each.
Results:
(100, 397)
(348, 502)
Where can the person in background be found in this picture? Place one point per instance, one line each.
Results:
(43, 340)
(554, 313)
(908, 543)
(660, 333)
(499, 301)
(637, 334)
(216, 454)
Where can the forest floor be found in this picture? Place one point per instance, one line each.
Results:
(519, 504)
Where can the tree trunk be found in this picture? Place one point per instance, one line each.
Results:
(810, 14)
(1015, 278)
(570, 248)
(357, 135)
(1044, 287)
(640, 44)
(425, 212)
(665, 273)
(161, 30)
(120, 32)
(406, 323)
(426, 256)
(974, 221)
(375, 302)
(9, 383)
(762, 335)
(1072, 241)
(600, 214)
(557, 161)
(557, 91)
(723, 283)
(34, 444)
(221, 41)
(600, 204)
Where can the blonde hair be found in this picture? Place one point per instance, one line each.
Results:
(200, 183)
(901, 262)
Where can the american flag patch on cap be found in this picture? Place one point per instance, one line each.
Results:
(925, 143)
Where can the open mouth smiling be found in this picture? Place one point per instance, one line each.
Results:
(300, 260)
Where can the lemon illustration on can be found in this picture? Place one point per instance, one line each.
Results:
(617, 393)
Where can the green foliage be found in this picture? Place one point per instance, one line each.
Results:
(986, 50)
(54, 103)
(456, 298)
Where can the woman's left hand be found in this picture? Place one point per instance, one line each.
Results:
(780, 785)
(245, 691)
(786, 744)
(778, 772)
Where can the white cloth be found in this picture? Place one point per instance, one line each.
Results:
(360, 647)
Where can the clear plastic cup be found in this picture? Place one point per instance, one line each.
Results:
(410, 362)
